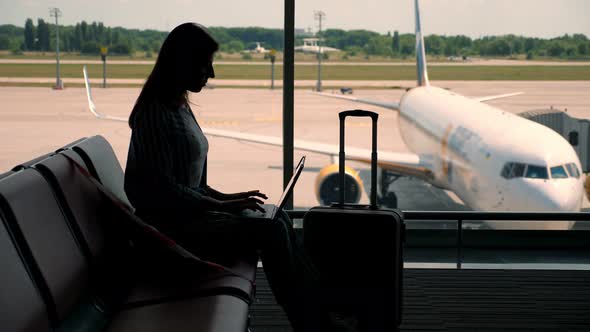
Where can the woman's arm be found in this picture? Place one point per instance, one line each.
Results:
(233, 203)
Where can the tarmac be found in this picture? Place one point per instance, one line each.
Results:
(213, 83)
(36, 121)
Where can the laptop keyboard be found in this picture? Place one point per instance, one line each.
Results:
(250, 213)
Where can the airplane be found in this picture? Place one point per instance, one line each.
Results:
(310, 45)
(491, 159)
(455, 58)
(258, 49)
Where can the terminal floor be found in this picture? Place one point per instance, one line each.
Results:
(471, 300)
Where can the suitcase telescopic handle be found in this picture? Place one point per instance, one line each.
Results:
(374, 117)
(358, 113)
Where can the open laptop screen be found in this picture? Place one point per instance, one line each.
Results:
(291, 184)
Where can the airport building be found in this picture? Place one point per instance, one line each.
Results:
(574, 130)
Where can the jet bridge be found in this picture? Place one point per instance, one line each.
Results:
(574, 130)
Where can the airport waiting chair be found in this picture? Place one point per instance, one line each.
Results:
(102, 163)
(72, 265)
(24, 308)
(162, 282)
(62, 270)
(3, 175)
(31, 162)
(88, 291)
(35, 160)
(149, 288)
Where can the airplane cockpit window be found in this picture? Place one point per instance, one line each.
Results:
(558, 172)
(573, 170)
(536, 172)
(518, 170)
(513, 170)
(506, 170)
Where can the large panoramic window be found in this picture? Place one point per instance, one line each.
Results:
(352, 51)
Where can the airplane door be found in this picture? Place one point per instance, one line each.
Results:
(501, 188)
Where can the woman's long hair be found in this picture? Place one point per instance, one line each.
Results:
(185, 47)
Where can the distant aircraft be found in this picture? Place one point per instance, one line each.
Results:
(310, 45)
(459, 58)
(258, 49)
(491, 159)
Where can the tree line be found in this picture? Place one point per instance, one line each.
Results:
(88, 38)
(403, 45)
(83, 37)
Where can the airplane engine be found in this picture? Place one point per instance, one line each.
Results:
(327, 182)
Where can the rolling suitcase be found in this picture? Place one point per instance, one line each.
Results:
(357, 250)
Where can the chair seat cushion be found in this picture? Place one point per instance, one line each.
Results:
(218, 313)
(163, 279)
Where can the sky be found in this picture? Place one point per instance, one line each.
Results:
(474, 18)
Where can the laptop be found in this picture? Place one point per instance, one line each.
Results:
(271, 210)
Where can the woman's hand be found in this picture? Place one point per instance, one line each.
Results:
(229, 197)
(238, 205)
(247, 194)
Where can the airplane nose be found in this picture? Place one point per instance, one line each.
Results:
(552, 199)
(540, 197)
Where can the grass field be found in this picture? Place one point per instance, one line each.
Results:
(335, 72)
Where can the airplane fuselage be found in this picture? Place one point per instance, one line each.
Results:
(467, 145)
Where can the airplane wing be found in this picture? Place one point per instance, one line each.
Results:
(391, 106)
(395, 106)
(506, 95)
(401, 163)
(398, 162)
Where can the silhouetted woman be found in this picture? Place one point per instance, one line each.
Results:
(165, 169)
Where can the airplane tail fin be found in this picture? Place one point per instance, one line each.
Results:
(92, 106)
(421, 70)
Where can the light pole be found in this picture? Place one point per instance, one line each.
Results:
(272, 55)
(103, 55)
(56, 12)
(319, 15)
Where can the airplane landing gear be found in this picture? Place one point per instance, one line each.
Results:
(387, 198)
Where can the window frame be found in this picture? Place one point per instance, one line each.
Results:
(564, 172)
(508, 173)
(572, 166)
(537, 166)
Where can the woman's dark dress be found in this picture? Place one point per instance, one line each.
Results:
(165, 166)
